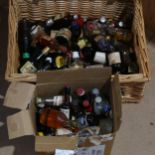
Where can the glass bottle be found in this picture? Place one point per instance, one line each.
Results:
(51, 101)
(48, 63)
(76, 62)
(103, 43)
(63, 38)
(53, 118)
(123, 35)
(65, 108)
(24, 41)
(61, 21)
(95, 92)
(88, 54)
(76, 31)
(87, 105)
(114, 59)
(101, 106)
(133, 66)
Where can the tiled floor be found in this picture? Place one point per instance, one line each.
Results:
(137, 133)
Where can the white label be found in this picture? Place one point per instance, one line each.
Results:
(66, 112)
(64, 152)
(100, 57)
(95, 150)
(58, 100)
(28, 67)
(114, 58)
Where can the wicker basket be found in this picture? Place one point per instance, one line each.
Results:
(132, 85)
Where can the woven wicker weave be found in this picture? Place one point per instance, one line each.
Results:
(132, 85)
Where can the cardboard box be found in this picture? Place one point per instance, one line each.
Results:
(22, 96)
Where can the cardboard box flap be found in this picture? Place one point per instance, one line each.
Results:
(20, 124)
(49, 144)
(74, 75)
(116, 92)
(19, 95)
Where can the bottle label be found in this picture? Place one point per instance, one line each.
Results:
(114, 58)
(60, 62)
(100, 57)
(66, 112)
(28, 67)
(58, 100)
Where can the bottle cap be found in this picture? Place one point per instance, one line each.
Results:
(75, 55)
(60, 62)
(26, 55)
(95, 91)
(86, 103)
(100, 57)
(80, 91)
(49, 22)
(103, 19)
(75, 17)
(98, 99)
(121, 24)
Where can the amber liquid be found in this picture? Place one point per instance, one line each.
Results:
(53, 118)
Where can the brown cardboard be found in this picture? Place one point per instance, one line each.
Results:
(49, 144)
(116, 100)
(20, 124)
(74, 75)
(23, 123)
(19, 95)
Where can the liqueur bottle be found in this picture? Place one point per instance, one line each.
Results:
(53, 118)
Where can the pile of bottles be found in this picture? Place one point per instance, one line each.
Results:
(73, 41)
(81, 112)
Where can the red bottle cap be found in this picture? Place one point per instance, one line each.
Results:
(80, 91)
(80, 21)
(86, 103)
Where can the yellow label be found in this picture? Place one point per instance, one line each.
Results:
(59, 61)
(82, 43)
(40, 134)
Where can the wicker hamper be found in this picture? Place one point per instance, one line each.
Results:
(132, 85)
